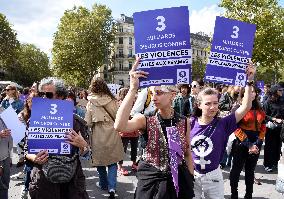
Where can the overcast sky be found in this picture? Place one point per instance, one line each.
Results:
(35, 21)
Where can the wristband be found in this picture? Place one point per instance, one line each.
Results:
(250, 83)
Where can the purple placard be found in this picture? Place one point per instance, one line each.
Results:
(231, 51)
(162, 41)
(260, 85)
(50, 120)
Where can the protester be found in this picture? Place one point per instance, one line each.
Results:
(42, 188)
(189, 104)
(250, 136)
(106, 144)
(265, 97)
(157, 177)
(127, 137)
(12, 98)
(83, 100)
(274, 109)
(181, 99)
(209, 135)
(77, 110)
(6, 145)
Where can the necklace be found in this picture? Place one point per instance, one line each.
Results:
(205, 122)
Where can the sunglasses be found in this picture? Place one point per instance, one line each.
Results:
(9, 89)
(194, 86)
(48, 95)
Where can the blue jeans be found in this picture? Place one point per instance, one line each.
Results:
(108, 179)
(28, 170)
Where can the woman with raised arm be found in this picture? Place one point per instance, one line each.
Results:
(209, 135)
(165, 171)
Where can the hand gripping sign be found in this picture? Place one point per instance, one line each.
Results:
(50, 121)
(162, 41)
(231, 51)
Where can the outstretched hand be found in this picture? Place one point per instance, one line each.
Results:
(135, 75)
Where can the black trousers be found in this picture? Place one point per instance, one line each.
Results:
(134, 145)
(241, 158)
(272, 148)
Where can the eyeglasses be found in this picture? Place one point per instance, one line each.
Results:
(194, 86)
(48, 95)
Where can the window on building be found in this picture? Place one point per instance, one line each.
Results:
(130, 40)
(120, 52)
(120, 65)
(120, 29)
(201, 53)
(197, 52)
(205, 53)
(193, 51)
(120, 40)
(130, 52)
(130, 65)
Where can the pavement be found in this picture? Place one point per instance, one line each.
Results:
(126, 184)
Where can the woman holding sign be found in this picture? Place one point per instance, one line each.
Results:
(48, 179)
(165, 171)
(209, 135)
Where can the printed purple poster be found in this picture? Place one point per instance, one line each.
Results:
(162, 41)
(260, 85)
(231, 51)
(49, 123)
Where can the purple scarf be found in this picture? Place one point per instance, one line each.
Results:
(175, 153)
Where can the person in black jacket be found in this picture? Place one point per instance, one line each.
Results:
(274, 108)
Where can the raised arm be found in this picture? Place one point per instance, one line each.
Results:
(122, 123)
(247, 99)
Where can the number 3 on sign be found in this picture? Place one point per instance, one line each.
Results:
(235, 34)
(53, 109)
(161, 23)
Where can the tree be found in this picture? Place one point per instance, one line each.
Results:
(32, 65)
(198, 68)
(8, 44)
(81, 43)
(269, 19)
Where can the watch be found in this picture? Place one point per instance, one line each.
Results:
(250, 82)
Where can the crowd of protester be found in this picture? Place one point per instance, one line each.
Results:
(201, 120)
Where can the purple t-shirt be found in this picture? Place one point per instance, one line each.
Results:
(207, 156)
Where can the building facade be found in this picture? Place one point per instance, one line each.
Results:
(123, 56)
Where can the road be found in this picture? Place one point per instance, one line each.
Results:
(126, 184)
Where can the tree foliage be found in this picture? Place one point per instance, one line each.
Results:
(81, 43)
(198, 68)
(8, 43)
(269, 39)
(32, 65)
